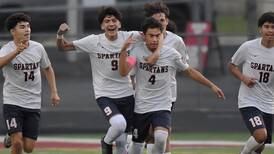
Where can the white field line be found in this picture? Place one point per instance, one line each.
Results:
(195, 143)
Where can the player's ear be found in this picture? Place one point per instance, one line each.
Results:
(143, 35)
(260, 30)
(119, 25)
(12, 31)
(102, 27)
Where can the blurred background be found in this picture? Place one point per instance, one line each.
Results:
(211, 29)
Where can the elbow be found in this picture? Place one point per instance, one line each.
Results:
(123, 73)
(2, 65)
(230, 67)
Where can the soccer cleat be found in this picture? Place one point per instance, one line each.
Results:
(106, 148)
(7, 141)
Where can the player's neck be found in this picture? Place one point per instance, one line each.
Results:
(165, 33)
(111, 37)
(267, 43)
(18, 41)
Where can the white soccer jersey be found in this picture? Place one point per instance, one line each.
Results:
(174, 41)
(104, 58)
(22, 86)
(153, 91)
(258, 63)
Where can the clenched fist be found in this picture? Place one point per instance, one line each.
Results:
(63, 28)
(21, 46)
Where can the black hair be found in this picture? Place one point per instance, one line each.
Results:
(266, 17)
(156, 7)
(15, 18)
(109, 11)
(172, 27)
(151, 23)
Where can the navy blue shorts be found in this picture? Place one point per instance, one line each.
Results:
(19, 119)
(256, 119)
(113, 106)
(142, 122)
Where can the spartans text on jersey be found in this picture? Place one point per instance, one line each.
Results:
(27, 66)
(264, 67)
(108, 56)
(153, 68)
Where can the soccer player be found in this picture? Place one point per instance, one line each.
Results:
(113, 93)
(21, 60)
(160, 12)
(153, 96)
(256, 93)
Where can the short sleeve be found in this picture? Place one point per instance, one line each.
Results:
(45, 62)
(179, 63)
(86, 44)
(3, 52)
(181, 48)
(240, 55)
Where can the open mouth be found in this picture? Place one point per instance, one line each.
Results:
(111, 29)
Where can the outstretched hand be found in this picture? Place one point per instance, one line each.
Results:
(63, 28)
(219, 93)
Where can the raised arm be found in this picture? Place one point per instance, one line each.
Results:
(250, 82)
(152, 59)
(9, 57)
(197, 76)
(125, 62)
(50, 76)
(62, 43)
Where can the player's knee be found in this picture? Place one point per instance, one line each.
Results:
(121, 141)
(28, 149)
(160, 137)
(119, 122)
(261, 138)
(260, 135)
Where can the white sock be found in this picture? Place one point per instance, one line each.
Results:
(167, 153)
(251, 145)
(136, 148)
(121, 143)
(129, 140)
(149, 148)
(160, 137)
(117, 127)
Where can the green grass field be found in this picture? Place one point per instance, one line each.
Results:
(175, 151)
(175, 136)
(231, 24)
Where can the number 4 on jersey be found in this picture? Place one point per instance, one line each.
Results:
(152, 79)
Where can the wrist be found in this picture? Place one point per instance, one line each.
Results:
(54, 92)
(60, 36)
(17, 52)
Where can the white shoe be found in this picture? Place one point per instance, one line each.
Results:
(7, 141)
